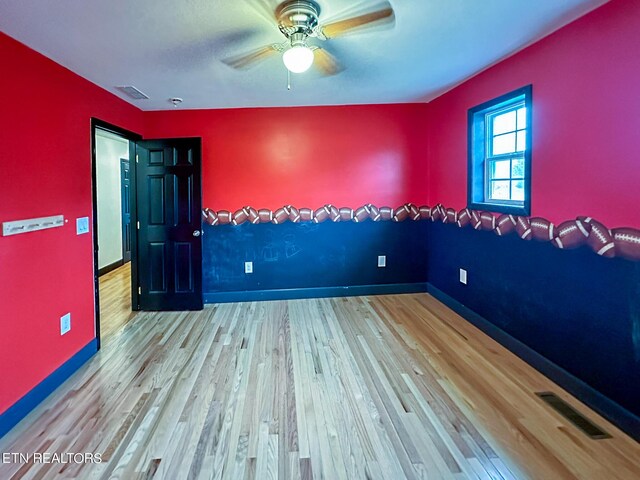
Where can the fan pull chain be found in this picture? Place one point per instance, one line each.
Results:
(288, 79)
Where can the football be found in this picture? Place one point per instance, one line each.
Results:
(253, 215)
(400, 214)
(505, 224)
(600, 239)
(294, 214)
(240, 216)
(280, 216)
(211, 217)
(346, 214)
(360, 214)
(374, 212)
(523, 227)
(570, 235)
(224, 217)
(436, 213)
(306, 214)
(464, 217)
(450, 216)
(627, 241)
(425, 212)
(542, 229)
(386, 213)
(265, 215)
(414, 212)
(487, 221)
(475, 219)
(334, 213)
(321, 214)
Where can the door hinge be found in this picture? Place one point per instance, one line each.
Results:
(138, 223)
(139, 290)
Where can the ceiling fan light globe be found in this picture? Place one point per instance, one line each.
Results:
(298, 59)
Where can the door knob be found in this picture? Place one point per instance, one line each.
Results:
(196, 233)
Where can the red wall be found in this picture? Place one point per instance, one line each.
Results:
(46, 170)
(307, 157)
(585, 161)
(586, 120)
(264, 157)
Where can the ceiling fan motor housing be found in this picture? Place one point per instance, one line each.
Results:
(298, 17)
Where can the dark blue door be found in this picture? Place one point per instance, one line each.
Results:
(169, 204)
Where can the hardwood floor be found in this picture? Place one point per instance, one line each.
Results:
(115, 300)
(386, 387)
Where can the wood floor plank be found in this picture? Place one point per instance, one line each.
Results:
(387, 387)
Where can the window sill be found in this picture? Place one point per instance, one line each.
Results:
(523, 210)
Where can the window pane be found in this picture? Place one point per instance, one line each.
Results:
(504, 123)
(517, 168)
(500, 190)
(500, 169)
(500, 145)
(522, 118)
(517, 190)
(522, 141)
(504, 144)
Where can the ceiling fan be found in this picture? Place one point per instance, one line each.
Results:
(299, 21)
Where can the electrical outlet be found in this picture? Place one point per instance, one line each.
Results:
(248, 267)
(82, 225)
(463, 276)
(65, 323)
(382, 261)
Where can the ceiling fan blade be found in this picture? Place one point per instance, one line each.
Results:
(250, 59)
(381, 15)
(326, 63)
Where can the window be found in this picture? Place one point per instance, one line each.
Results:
(500, 154)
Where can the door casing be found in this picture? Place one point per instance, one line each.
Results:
(132, 137)
(125, 194)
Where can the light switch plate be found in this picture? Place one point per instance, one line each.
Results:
(82, 225)
(382, 261)
(248, 267)
(65, 323)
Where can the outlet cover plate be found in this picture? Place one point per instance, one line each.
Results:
(248, 267)
(463, 276)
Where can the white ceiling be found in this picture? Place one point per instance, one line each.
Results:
(173, 48)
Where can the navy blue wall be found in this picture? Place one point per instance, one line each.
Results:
(577, 309)
(308, 255)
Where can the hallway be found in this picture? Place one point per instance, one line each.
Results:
(115, 300)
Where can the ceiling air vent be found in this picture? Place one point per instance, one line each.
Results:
(132, 92)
